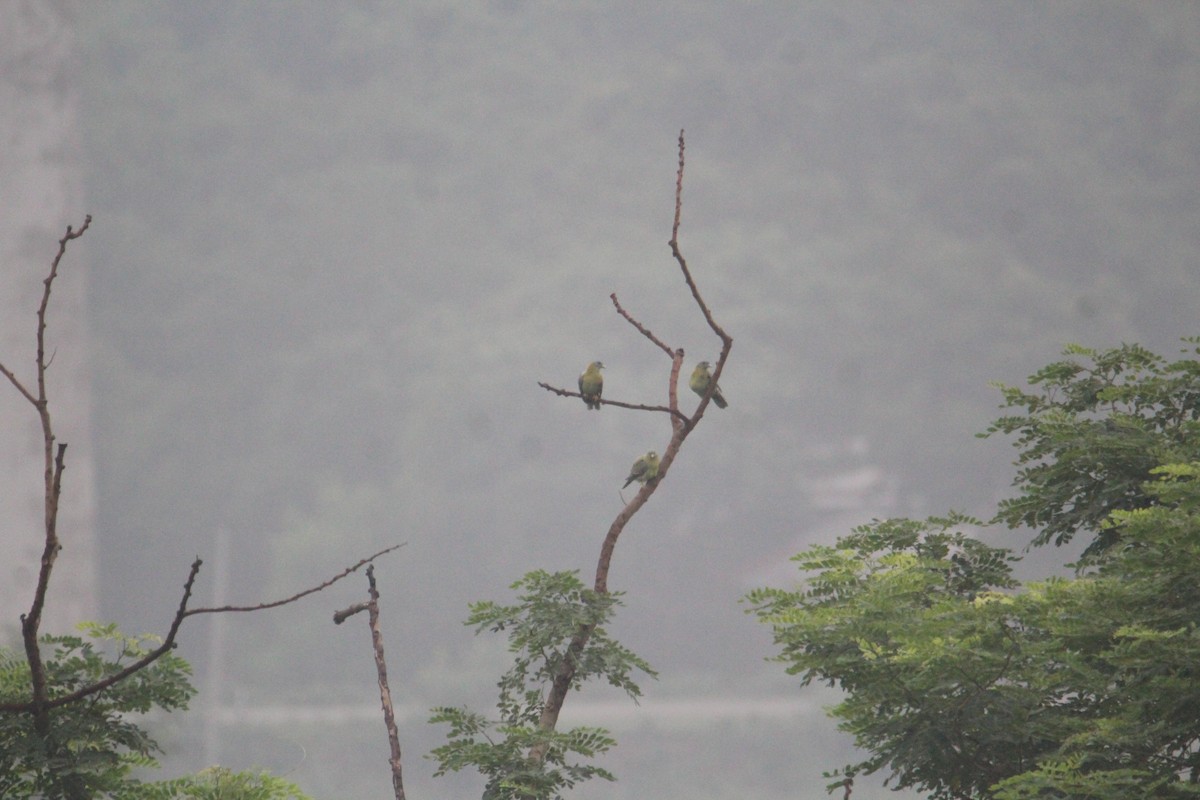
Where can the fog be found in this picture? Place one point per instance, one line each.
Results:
(337, 245)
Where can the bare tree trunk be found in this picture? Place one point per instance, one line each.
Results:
(41, 172)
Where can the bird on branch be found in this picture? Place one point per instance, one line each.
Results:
(644, 469)
(700, 380)
(591, 385)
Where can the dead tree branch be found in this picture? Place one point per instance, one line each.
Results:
(169, 641)
(346, 613)
(633, 406)
(642, 329)
(385, 692)
(40, 702)
(726, 339)
(681, 426)
(324, 585)
(54, 464)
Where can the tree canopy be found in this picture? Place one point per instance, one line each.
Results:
(962, 683)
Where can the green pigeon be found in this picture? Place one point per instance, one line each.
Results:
(643, 469)
(591, 385)
(699, 381)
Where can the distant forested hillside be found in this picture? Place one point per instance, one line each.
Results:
(337, 244)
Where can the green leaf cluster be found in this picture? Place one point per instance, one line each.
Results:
(908, 618)
(542, 630)
(963, 684)
(1100, 422)
(92, 746)
(219, 783)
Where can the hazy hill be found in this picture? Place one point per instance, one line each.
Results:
(336, 245)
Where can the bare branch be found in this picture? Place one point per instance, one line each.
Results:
(726, 339)
(641, 328)
(679, 420)
(6, 372)
(298, 595)
(167, 644)
(169, 641)
(47, 282)
(687, 274)
(681, 426)
(618, 403)
(31, 622)
(346, 613)
(385, 692)
(678, 191)
(53, 466)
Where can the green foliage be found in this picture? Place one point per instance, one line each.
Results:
(92, 746)
(1089, 438)
(553, 608)
(218, 783)
(1122, 649)
(902, 616)
(964, 685)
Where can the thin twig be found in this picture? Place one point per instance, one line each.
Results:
(726, 339)
(641, 328)
(155, 654)
(276, 603)
(618, 403)
(6, 372)
(168, 642)
(679, 420)
(346, 613)
(678, 191)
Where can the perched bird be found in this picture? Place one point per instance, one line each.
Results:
(643, 469)
(591, 385)
(699, 381)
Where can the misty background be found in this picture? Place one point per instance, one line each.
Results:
(336, 246)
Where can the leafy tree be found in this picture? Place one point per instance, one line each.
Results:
(92, 749)
(556, 631)
(540, 628)
(1120, 649)
(965, 685)
(66, 713)
(1089, 439)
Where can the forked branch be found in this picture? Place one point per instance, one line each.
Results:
(681, 426)
(385, 691)
(54, 462)
(312, 590)
(182, 612)
(40, 702)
